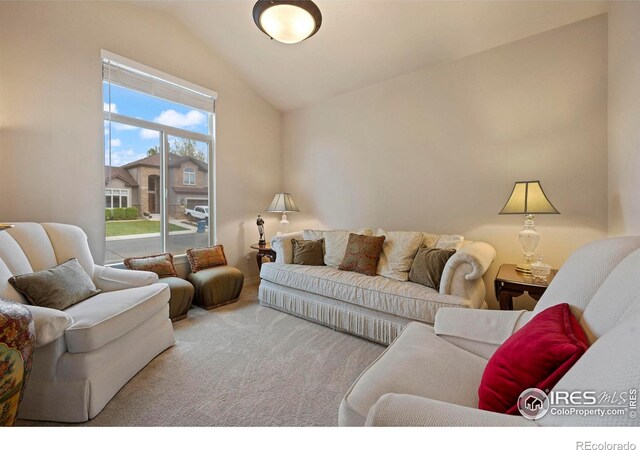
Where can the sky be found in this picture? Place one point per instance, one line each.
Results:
(131, 143)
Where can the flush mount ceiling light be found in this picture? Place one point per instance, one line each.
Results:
(287, 21)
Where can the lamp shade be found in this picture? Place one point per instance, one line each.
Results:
(528, 197)
(287, 21)
(282, 202)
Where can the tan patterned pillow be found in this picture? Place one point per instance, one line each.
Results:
(205, 258)
(362, 254)
(162, 264)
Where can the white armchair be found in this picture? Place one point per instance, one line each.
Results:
(430, 375)
(87, 352)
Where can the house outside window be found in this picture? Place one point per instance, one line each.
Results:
(159, 150)
(189, 177)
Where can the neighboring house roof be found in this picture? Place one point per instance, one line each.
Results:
(174, 161)
(190, 190)
(123, 174)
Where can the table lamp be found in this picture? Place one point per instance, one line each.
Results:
(528, 198)
(283, 203)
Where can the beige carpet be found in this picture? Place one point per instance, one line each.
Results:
(242, 365)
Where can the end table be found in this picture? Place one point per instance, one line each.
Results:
(264, 251)
(510, 283)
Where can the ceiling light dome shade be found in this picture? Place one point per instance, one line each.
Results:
(287, 21)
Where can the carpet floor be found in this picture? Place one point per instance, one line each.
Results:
(242, 365)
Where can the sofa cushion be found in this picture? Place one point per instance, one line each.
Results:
(13, 256)
(58, 287)
(623, 285)
(362, 254)
(404, 299)
(107, 316)
(449, 242)
(536, 356)
(418, 363)
(36, 245)
(69, 241)
(398, 251)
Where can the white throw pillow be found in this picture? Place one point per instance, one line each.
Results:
(429, 240)
(450, 242)
(335, 244)
(312, 235)
(398, 252)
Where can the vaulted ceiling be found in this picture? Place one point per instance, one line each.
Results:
(362, 42)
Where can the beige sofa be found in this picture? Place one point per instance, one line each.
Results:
(376, 308)
(430, 375)
(86, 353)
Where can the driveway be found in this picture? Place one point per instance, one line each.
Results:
(119, 249)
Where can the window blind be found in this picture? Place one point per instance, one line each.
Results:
(122, 72)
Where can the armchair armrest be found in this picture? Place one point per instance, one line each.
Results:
(479, 331)
(49, 323)
(402, 410)
(281, 244)
(109, 279)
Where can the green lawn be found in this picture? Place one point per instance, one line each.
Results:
(128, 227)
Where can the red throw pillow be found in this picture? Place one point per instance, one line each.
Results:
(536, 356)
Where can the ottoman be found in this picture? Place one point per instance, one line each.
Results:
(217, 286)
(181, 297)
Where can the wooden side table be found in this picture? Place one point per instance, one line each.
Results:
(264, 251)
(510, 283)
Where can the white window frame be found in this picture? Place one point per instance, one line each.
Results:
(165, 131)
(128, 191)
(189, 174)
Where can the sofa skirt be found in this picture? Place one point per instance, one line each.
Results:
(376, 326)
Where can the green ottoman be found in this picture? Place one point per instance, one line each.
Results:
(181, 297)
(217, 286)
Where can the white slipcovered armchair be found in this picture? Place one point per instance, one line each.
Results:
(430, 375)
(86, 353)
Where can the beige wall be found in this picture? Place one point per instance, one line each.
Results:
(624, 118)
(51, 161)
(438, 150)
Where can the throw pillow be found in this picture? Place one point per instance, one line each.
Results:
(335, 244)
(398, 252)
(162, 264)
(449, 241)
(312, 235)
(536, 356)
(205, 258)
(429, 239)
(308, 253)
(58, 287)
(362, 254)
(428, 266)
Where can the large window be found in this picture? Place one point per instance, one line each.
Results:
(159, 148)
